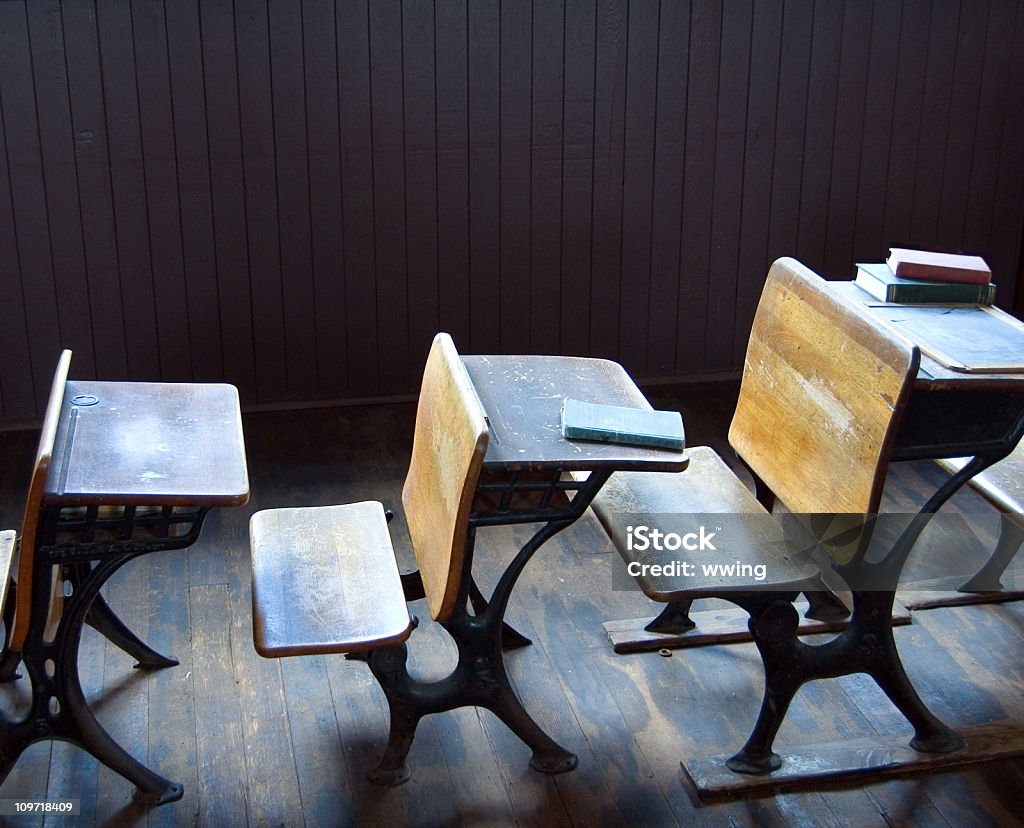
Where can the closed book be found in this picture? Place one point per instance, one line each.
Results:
(879, 280)
(939, 267)
(618, 424)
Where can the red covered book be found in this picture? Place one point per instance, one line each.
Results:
(939, 267)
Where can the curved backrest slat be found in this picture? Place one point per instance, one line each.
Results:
(824, 386)
(448, 450)
(34, 503)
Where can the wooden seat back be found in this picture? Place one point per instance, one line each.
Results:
(33, 512)
(824, 386)
(449, 444)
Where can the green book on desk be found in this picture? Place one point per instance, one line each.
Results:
(618, 424)
(882, 283)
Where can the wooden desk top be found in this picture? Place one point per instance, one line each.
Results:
(162, 444)
(522, 396)
(933, 375)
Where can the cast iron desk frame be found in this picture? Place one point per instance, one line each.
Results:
(136, 469)
(523, 481)
(948, 414)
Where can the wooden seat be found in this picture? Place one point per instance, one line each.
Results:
(822, 394)
(707, 487)
(325, 578)
(1002, 485)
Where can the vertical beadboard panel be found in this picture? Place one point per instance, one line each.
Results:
(293, 195)
(1005, 242)
(848, 138)
(667, 193)
(795, 42)
(577, 176)
(546, 136)
(357, 196)
(16, 385)
(879, 108)
(227, 183)
(288, 89)
(162, 200)
(698, 184)
(763, 134)
(395, 371)
(327, 255)
(95, 203)
(907, 120)
(988, 128)
(195, 191)
(728, 182)
(131, 220)
(481, 179)
(28, 332)
(421, 176)
(46, 35)
(819, 131)
(639, 123)
(609, 128)
(509, 317)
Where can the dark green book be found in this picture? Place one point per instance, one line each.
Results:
(883, 284)
(618, 424)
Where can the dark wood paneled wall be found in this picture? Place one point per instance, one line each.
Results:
(293, 195)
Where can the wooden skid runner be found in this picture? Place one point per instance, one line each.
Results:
(851, 762)
(923, 599)
(723, 626)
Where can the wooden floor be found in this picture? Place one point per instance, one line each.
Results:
(287, 742)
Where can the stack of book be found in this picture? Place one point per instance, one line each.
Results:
(922, 277)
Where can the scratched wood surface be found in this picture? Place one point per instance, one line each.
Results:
(822, 392)
(288, 741)
(447, 453)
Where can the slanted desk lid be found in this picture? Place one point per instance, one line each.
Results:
(158, 443)
(967, 338)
